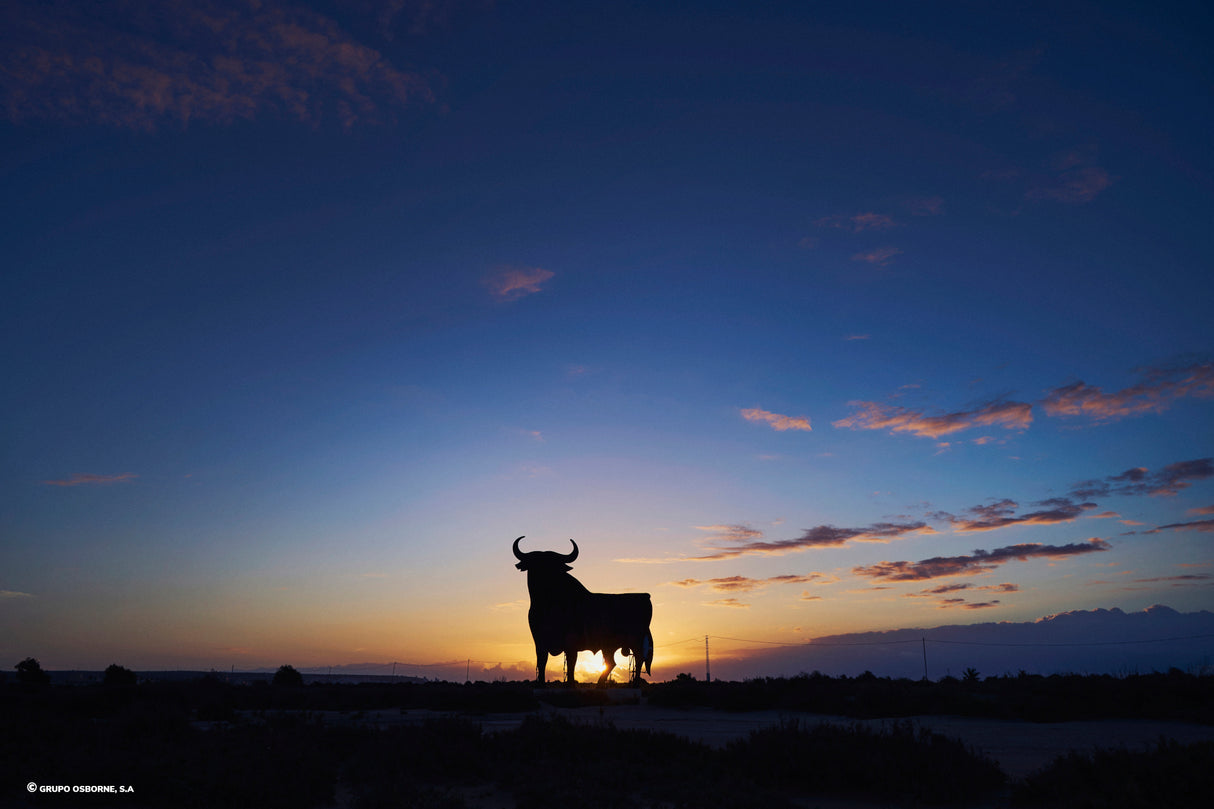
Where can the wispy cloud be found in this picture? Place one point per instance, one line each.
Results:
(1186, 578)
(731, 533)
(1159, 388)
(6, 594)
(1205, 526)
(945, 595)
(1076, 185)
(822, 536)
(727, 602)
(1133, 585)
(979, 561)
(141, 66)
(1002, 514)
(512, 283)
(746, 584)
(858, 223)
(874, 416)
(777, 421)
(1171, 480)
(925, 206)
(82, 479)
(879, 256)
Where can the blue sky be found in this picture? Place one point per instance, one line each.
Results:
(311, 309)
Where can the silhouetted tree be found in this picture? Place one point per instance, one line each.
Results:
(29, 671)
(117, 675)
(287, 675)
(971, 675)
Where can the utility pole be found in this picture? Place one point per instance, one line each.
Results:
(707, 670)
(468, 671)
(924, 639)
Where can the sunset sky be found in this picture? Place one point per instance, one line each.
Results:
(804, 318)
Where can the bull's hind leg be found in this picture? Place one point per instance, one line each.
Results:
(570, 664)
(609, 659)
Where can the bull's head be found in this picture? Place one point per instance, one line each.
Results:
(544, 560)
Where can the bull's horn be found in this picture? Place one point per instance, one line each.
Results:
(570, 557)
(517, 553)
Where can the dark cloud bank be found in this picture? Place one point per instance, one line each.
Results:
(1084, 642)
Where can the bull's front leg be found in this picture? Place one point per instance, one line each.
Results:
(541, 664)
(570, 663)
(609, 659)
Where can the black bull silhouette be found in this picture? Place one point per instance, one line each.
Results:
(566, 617)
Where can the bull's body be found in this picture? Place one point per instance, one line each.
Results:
(567, 618)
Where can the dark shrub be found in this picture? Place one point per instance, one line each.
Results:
(1172, 775)
(899, 763)
(116, 675)
(29, 672)
(287, 676)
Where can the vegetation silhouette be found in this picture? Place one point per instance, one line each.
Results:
(117, 676)
(212, 743)
(566, 617)
(30, 673)
(287, 676)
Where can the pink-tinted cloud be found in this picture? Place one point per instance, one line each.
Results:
(1171, 480)
(925, 206)
(1205, 526)
(1201, 510)
(80, 479)
(512, 283)
(979, 561)
(1002, 514)
(1183, 579)
(746, 584)
(731, 533)
(1158, 390)
(777, 421)
(822, 536)
(143, 66)
(727, 602)
(879, 256)
(945, 594)
(874, 416)
(943, 589)
(857, 223)
(1074, 185)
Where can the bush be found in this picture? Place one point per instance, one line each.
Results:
(1173, 775)
(118, 676)
(287, 676)
(29, 672)
(898, 763)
